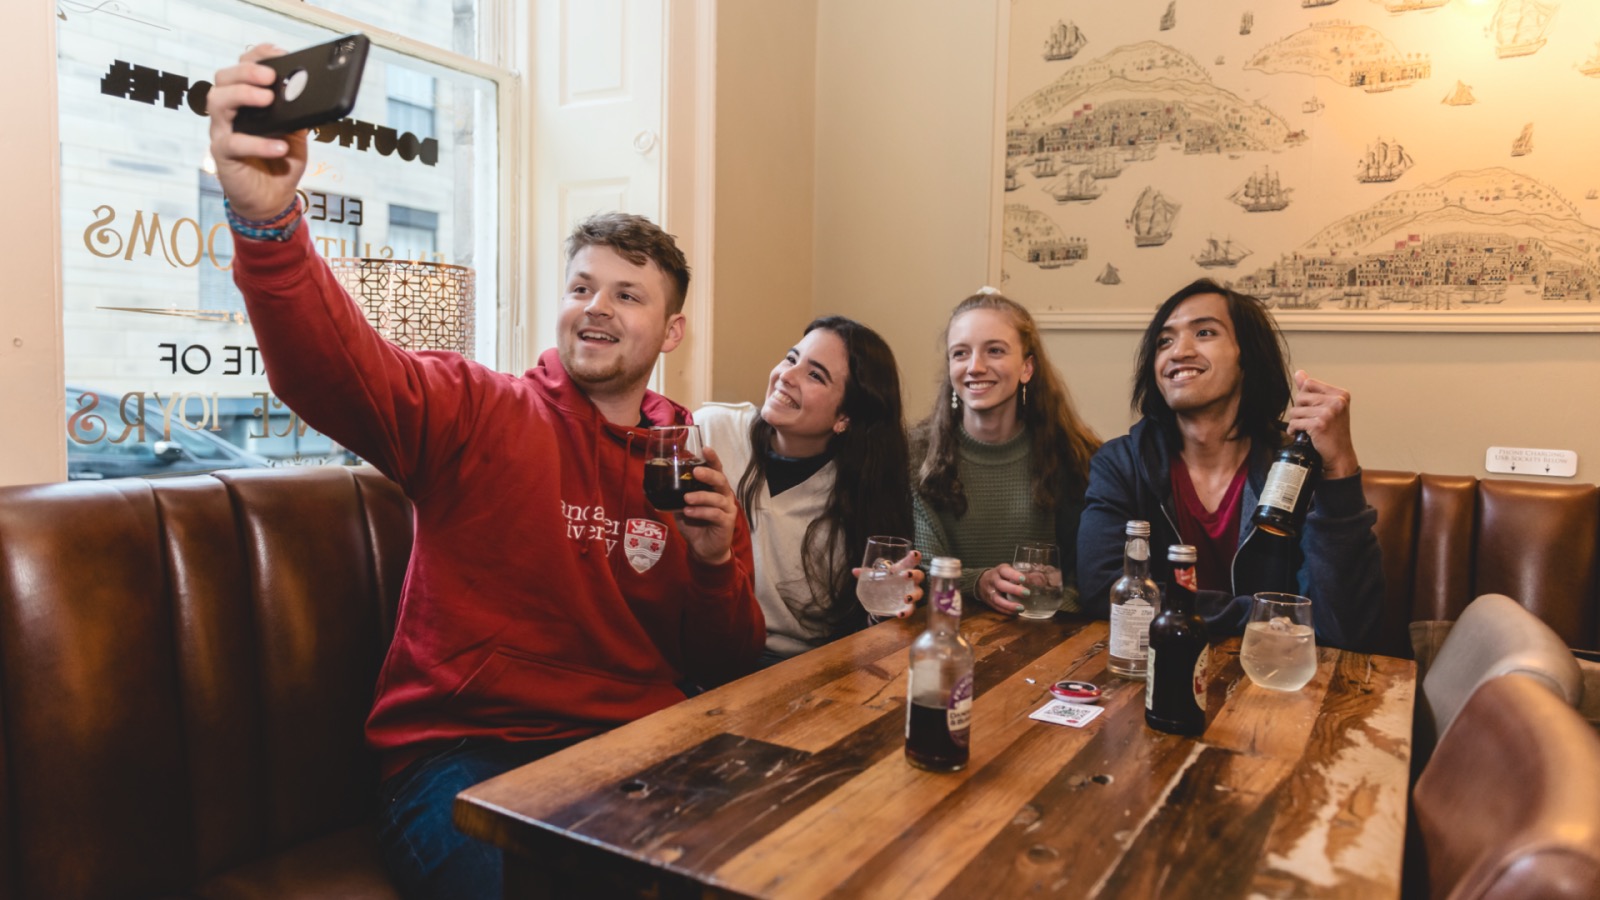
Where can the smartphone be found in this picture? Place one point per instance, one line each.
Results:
(315, 85)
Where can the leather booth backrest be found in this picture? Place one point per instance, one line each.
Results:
(1509, 805)
(185, 669)
(1448, 538)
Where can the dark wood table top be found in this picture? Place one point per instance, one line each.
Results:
(793, 783)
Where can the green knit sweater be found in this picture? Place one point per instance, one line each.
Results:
(997, 480)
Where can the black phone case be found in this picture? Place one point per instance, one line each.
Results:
(332, 79)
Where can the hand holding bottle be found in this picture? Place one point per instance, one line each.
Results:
(1323, 412)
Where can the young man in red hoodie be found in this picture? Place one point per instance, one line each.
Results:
(546, 599)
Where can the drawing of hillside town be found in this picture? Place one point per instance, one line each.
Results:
(1293, 156)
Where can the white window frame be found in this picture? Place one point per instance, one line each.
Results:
(502, 45)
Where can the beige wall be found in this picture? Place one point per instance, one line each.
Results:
(33, 438)
(905, 129)
(766, 76)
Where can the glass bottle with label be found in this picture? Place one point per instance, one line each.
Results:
(1175, 691)
(939, 685)
(1134, 601)
(1287, 493)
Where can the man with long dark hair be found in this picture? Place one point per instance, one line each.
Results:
(1212, 383)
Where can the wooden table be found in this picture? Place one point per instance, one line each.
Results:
(793, 783)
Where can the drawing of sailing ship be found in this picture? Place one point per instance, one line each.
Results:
(1400, 6)
(1170, 17)
(1044, 166)
(1247, 22)
(1307, 4)
(1297, 300)
(1262, 193)
(1064, 42)
(1518, 27)
(1221, 253)
(1080, 188)
(1591, 66)
(1109, 276)
(1221, 60)
(1385, 161)
(1312, 106)
(1105, 165)
(1593, 194)
(1461, 96)
(1152, 218)
(1523, 145)
(1011, 178)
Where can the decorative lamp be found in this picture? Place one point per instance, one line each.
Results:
(415, 305)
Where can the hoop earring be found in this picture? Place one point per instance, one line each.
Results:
(955, 402)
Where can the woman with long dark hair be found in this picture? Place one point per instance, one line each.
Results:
(821, 466)
(1004, 457)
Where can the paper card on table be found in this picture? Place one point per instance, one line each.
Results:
(1075, 714)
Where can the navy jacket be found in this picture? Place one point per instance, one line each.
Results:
(1335, 561)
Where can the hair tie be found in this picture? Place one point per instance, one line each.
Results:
(986, 290)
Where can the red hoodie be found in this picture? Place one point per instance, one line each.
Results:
(546, 598)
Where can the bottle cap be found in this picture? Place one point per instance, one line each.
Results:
(1075, 691)
(1181, 553)
(945, 567)
(1136, 528)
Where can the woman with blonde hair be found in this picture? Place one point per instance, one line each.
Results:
(1004, 455)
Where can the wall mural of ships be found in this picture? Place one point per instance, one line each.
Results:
(1079, 188)
(1461, 96)
(1064, 42)
(1247, 22)
(1385, 161)
(1220, 253)
(1591, 66)
(1400, 6)
(1523, 145)
(1152, 218)
(1518, 27)
(1109, 276)
(1262, 192)
(1170, 17)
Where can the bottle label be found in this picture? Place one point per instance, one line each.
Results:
(1201, 676)
(1284, 482)
(1150, 682)
(947, 599)
(959, 717)
(1186, 577)
(1130, 628)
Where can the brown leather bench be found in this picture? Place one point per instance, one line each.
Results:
(185, 669)
(1447, 539)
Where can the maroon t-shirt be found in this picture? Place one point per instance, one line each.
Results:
(1214, 534)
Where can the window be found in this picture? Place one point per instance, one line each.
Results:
(410, 101)
(413, 229)
(150, 309)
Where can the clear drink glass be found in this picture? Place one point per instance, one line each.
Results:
(882, 586)
(1279, 650)
(1040, 565)
(675, 450)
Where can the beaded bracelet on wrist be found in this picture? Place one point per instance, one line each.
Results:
(280, 227)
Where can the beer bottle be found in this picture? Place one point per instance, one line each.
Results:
(1175, 691)
(1134, 599)
(1287, 493)
(939, 685)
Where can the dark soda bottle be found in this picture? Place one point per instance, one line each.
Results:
(939, 681)
(1175, 688)
(1287, 493)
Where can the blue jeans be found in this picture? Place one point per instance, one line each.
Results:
(423, 852)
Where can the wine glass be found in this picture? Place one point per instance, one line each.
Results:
(675, 450)
(882, 585)
(1279, 650)
(1040, 565)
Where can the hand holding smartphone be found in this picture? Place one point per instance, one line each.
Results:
(314, 86)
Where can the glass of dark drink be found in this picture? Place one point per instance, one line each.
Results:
(675, 450)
